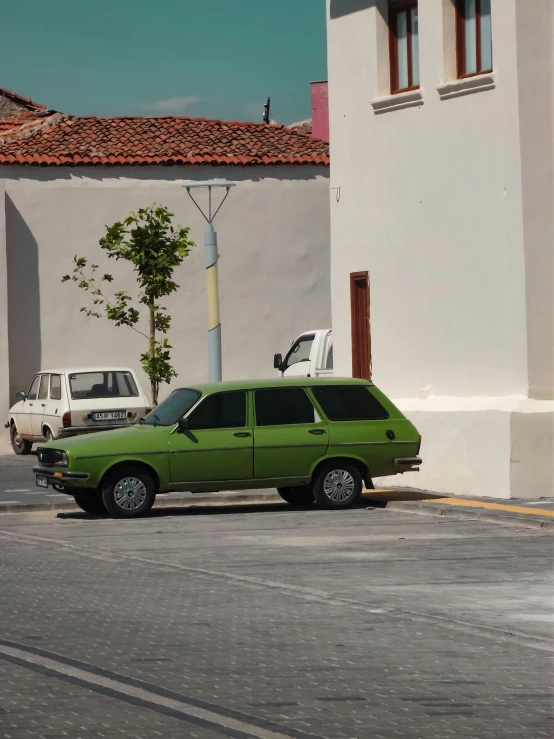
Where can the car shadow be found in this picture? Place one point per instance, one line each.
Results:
(220, 510)
(370, 499)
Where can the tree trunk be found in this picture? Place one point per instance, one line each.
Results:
(153, 382)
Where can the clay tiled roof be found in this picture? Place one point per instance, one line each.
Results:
(61, 140)
(20, 100)
(302, 126)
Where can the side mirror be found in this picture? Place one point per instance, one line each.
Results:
(21, 396)
(183, 424)
(277, 361)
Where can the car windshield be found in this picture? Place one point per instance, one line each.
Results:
(173, 408)
(102, 384)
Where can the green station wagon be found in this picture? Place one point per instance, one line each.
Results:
(312, 439)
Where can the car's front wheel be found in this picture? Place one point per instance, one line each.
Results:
(299, 496)
(19, 445)
(338, 485)
(91, 504)
(128, 492)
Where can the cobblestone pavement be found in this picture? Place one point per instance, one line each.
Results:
(268, 622)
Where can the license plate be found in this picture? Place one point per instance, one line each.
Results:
(109, 416)
(42, 481)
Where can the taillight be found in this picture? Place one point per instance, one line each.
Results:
(419, 444)
(66, 420)
(148, 410)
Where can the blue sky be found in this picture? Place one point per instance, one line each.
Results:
(203, 58)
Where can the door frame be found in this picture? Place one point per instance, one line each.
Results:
(360, 327)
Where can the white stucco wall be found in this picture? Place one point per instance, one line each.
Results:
(4, 358)
(430, 204)
(274, 267)
(447, 202)
(535, 56)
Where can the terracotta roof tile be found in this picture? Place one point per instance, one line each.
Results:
(61, 140)
(26, 102)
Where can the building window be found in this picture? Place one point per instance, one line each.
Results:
(473, 37)
(404, 45)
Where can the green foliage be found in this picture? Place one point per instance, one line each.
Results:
(147, 240)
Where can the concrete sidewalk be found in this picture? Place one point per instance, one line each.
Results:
(520, 512)
(528, 513)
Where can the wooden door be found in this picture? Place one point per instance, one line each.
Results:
(361, 334)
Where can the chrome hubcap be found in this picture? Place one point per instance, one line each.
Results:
(130, 493)
(17, 439)
(338, 485)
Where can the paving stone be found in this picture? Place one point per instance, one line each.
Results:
(349, 625)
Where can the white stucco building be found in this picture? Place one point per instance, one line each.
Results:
(64, 178)
(441, 126)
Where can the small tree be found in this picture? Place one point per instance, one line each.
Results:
(155, 248)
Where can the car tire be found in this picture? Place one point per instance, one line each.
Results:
(47, 433)
(128, 492)
(91, 504)
(298, 496)
(337, 485)
(19, 445)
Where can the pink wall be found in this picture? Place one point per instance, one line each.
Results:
(320, 110)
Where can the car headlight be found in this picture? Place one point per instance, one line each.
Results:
(53, 457)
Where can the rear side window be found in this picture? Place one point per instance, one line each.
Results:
(55, 387)
(220, 411)
(281, 407)
(349, 403)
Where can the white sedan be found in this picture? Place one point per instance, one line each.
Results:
(65, 402)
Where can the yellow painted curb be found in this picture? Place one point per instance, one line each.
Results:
(494, 506)
(468, 503)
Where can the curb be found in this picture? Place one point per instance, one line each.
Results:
(533, 521)
(161, 502)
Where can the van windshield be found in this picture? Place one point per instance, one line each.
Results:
(173, 407)
(102, 384)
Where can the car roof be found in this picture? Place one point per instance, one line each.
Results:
(275, 382)
(72, 370)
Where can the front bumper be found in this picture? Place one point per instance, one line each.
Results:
(59, 476)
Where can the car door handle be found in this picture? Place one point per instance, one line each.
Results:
(43, 405)
(242, 434)
(316, 431)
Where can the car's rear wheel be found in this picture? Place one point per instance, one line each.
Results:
(300, 496)
(19, 445)
(47, 433)
(91, 504)
(128, 492)
(337, 485)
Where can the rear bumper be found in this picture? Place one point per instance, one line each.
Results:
(407, 463)
(57, 475)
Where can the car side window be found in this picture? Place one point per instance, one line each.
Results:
(33, 390)
(284, 406)
(300, 352)
(55, 387)
(43, 389)
(220, 411)
(329, 358)
(349, 403)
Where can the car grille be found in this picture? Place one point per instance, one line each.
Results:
(49, 456)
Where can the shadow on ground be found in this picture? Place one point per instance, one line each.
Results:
(376, 499)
